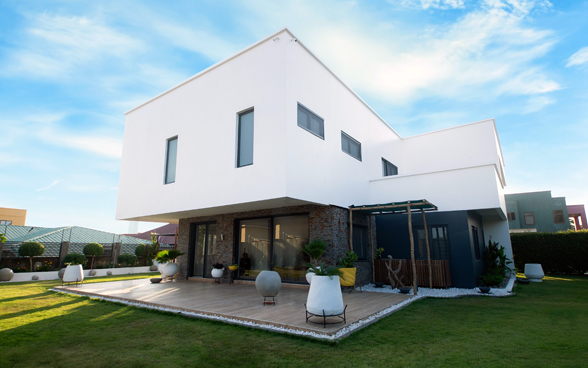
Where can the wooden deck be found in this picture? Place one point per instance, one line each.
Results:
(237, 301)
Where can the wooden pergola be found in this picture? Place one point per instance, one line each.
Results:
(407, 207)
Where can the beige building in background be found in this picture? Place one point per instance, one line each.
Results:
(12, 216)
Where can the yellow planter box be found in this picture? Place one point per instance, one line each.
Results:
(348, 277)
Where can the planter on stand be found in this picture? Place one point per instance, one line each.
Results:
(325, 300)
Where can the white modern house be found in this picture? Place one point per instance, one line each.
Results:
(268, 148)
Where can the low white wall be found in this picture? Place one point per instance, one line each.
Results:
(52, 275)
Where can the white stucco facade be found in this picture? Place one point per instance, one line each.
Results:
(459, 168)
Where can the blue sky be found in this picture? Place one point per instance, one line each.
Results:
(69, 70)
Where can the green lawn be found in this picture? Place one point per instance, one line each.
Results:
(544, 325)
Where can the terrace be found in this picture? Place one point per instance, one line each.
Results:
(240, 303)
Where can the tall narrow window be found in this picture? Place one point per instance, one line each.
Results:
(361, 241)
(311, 122)
(245, 139)
(388, 169)
(511, 216)
(170, 161)
(350, 146)
(438, 243)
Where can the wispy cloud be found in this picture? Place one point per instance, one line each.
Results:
(537, 103)
(579, 58)
(105, 146)
(48, 186)
(429, 4)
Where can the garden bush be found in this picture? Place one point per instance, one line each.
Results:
(565, 252)
(142, 250)
(128, 260)
(75, 259)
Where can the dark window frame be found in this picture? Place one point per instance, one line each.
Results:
(166, 173)
(511, 216)
(309, 114)
(239, 115)
(558, 212)
(531, 215)
(351, 140)
(432, 243)
(366, 254)
(385, 168)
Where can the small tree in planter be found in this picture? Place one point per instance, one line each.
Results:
(167, 258)
(152, 250)
(93, 250)
(31, 249)
(315, 250)
(324, 296)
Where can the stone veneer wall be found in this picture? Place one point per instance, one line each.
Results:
(330, 223)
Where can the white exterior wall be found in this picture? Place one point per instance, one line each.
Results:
(203, 114)
(456, 169)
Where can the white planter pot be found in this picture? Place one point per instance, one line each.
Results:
(534, 272)
(217, 272)
(73, 273)
(325, 295)
(309, 275)
(169, 269)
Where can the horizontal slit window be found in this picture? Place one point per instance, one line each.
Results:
(311, 122)
(350, 146)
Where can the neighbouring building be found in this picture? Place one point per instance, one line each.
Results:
(536, 212)
(60, 241)
(577, 212)
(268, 148)
(12, 216)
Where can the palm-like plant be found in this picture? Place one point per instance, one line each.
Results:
(323, 270)
(315, 250)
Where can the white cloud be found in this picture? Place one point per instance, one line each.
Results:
(579, 58)
(48, 186)
(537, 103)
(99, 144)
(429, 4)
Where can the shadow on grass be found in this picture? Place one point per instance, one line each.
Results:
(34, 310)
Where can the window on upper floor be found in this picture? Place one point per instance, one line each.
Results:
(5, 222)
(311, 122)
(511, 216)
(529, 218)
(350, 146)
(245, 139)
(388, 168)
(170, 160)
(558, 217)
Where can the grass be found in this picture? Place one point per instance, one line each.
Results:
(543, 325)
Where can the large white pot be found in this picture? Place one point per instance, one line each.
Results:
(217, 273)
(325, 295)
(534, 272)
(309, 275)
(73, 273)
(168, 269)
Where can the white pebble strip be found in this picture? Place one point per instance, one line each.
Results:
(332, 337)
(446, 293)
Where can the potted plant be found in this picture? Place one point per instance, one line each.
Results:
(166, 259)
(324, 296)
(217, 270)
(348, 269)
(315, 250)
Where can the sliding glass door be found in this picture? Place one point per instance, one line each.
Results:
(203, 249)
(273, 243)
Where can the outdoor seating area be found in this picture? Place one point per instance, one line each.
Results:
(237, 302)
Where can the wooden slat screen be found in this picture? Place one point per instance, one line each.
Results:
(440, 270)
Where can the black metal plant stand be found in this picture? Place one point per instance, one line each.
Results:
(266, 300)
(342, 317)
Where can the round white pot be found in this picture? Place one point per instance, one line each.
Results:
(309, 275)
(325, 295)
(217, 272)
(534, 272)
(168, 269)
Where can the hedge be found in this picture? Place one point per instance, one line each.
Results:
(564, 252)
